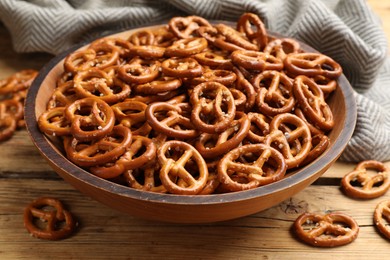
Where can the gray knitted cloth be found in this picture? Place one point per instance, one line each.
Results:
(346, 30)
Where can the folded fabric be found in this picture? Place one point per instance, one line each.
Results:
(346, 30)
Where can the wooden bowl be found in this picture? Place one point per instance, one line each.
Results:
(184, 208)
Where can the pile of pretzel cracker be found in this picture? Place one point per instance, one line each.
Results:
(13, 90)
(193, 108)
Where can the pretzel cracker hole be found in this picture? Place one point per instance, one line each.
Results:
(42, 223)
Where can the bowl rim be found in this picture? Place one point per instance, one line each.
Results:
(59, 160)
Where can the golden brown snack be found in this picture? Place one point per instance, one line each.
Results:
(175, 176)
(329, 230)
(46, 218)
(250, 166)
(217, 88)
(368, 174)
(382, 218)
(291, 136)
(12, 94)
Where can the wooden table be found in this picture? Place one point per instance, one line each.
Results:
(104, 233)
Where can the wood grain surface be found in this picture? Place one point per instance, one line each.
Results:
(103, 233)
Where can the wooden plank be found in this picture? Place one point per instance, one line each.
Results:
(382, 10)
(20, 158)
(102, 230)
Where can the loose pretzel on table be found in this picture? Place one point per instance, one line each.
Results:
(382, 218)
(368, 181)
(330, 230)
(7, 127)
(59, 223)
(20, 80)
(12, 95)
